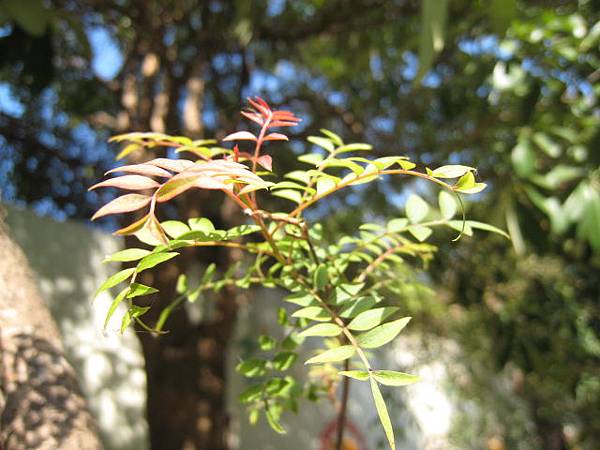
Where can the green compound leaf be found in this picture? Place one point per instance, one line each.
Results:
(288, 194)
(453, 171)
(115, 279)
(273, 420)
(331, 135)
(113, 306)
(322, 142)
(360, 375)
(334, 355)
(382, 334)
(322, 329)
(129, 254)
(448, 205)
(251, 394)
(420, 232)
(201, 224)
(252, 367)
(284, 360)
(175, 228)
(369, 319)
(416, 208)
(315, 313)
(382, 411)
(487, 227)
(393, 378)
(357, 307)
(321, 277)
(154, 259)
(138, 290)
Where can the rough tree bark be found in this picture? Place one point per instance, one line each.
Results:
(41, 405)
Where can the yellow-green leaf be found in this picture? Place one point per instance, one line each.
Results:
(382, 411)
(382, 334)
(333, 355)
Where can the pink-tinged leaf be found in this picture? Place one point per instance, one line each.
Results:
(261, 106)
(240, 136)
(128, 182)
(265, 161)
(262, 102)
(152, 233)
(283, 112)
(285, 116)
(212, 183)
(282, 123)
(125, 203)
(275, 137)
(142, 169)
(253, 117)
(174, 165)
(132, 228)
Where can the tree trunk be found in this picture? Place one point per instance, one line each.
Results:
(549, 431)
(186, 372)
(41, 405)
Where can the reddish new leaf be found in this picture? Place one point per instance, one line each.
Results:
(283, 123)
(125, 203)
(265, 161)
(143, 169)
(275, 137)
(261, 106)
(255, 117)
(240, 136)
(128, 182)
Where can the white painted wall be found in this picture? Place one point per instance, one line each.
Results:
(67, 259)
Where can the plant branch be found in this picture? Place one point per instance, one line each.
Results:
(341, 422)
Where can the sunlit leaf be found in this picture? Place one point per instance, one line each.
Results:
(154, 259)
(452, 171)
(420, 232)
(322, 142)
(138, 290)
(382, 334)
(416, 208)
(447, 204)
(174, 228)
(113, 306)
(129, 254)
(360, 375)
(321, 277)
(316, 313)
(333, 355)
(322, 329)
(288, 194)
(371, 318)
(393, 378)
(115, 279)
(240, 136)
(382, 411)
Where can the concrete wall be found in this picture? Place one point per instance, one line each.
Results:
(67, 259)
